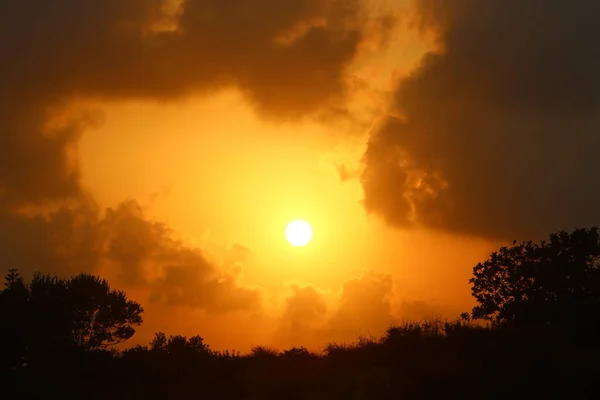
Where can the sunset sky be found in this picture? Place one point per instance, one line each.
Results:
(166, 144)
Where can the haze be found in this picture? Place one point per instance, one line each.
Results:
(166, 145)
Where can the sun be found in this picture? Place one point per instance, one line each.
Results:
(298, 233)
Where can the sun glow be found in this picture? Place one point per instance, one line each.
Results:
(298, 233)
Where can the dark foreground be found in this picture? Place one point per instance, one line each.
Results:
(541, 303)
(417, 361)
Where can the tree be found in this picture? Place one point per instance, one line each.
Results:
(179, 346)
(159, 343)
(13, 311)
(13, 278)
(553, 283)
(101, 316)
(49, 314)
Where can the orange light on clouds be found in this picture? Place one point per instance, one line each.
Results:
(221, 178)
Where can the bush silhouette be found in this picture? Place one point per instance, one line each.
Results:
(55, 338)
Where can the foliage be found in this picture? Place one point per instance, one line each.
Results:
(427, 359)
(178, 346)
(49, 314)
(264, 352)
(54, 333)
(554, 283)
(101, 316)
(296, 353)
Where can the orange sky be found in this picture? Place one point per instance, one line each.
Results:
(221, 177)
(241, 185)
(165, 145)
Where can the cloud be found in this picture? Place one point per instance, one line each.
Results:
(64, 242)
(495, 134)
(311, 316)
(149, 255)
(304, 314)
(132, 240)
(237, 257)
(288, 58)
(123, 244)
(365, 306)
(38, 163)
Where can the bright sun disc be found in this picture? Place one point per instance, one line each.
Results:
(298, 233)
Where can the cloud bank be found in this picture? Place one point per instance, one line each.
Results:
(131, 249)
(362, 307)
(288, 58)
(496, 133)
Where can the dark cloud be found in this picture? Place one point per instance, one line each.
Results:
(176, 274)
(37, 163)
(124, 243)
(496, 133)
(287, 57)
(64, 242)
(132, 241)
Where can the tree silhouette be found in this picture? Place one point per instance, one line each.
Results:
(49, 315)
(13, 320)
(179, 346)
(101, 316)
(554, 283)
(54, 333)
